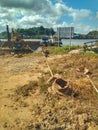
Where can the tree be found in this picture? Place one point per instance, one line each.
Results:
(93, 34)
(33, 32)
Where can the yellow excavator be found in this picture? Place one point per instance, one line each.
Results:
(16, 43)
(15, 35)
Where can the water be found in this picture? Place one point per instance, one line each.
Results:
(76, 42)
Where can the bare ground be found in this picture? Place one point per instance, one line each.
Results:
(25, 103)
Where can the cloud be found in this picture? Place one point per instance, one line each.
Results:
(76, 14)
(35, 5)
(79, 14)
(83, 28)
(45, 7)
(30, 13)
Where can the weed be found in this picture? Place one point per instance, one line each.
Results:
(42, 84)
(54, 70)
(95, 115)
(43, 87)
(61, 50)
(90, 55)
(26, 89)
(79, 110)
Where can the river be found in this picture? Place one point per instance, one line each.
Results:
(79, 42)
(65, 42)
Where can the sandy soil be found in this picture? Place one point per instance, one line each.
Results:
(14, 72)
(18, 112)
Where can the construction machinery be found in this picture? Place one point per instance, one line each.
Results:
(15, 35)
(15, 43)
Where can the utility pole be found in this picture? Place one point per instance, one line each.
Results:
(58, 36)
(8, 34)
(70, 39)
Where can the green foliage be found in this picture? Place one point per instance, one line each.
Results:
(58, 50)
(93, 34)
(3, 35)
(36, 32)
(62, 50)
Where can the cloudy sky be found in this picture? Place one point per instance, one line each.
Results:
(82, 15)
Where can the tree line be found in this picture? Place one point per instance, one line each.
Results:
(37, 32)
(34, 32)
(90, 35)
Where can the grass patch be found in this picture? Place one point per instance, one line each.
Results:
(27, 88)
(61, 50)
(90, 55)
(43, 84)
(38, 54)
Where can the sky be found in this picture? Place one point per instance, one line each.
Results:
(82, 15)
